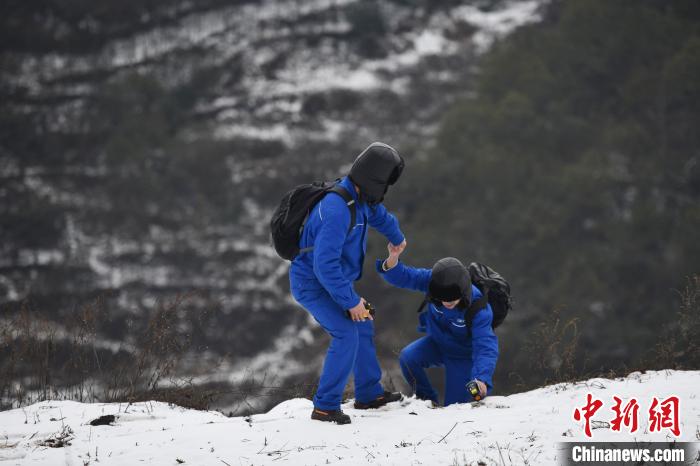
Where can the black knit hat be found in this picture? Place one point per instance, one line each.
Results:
(374, 170)
(450, 281)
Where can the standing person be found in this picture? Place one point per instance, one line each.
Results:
(322, 279)
(467, 352)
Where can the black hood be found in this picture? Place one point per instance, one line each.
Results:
(450, 281)
(375, 169)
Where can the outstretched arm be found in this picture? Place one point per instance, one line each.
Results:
(400, 275)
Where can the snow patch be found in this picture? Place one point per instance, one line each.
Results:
(493, 25)
(525, 428)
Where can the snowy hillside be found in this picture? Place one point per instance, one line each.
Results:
(518, 429)
(241, 101)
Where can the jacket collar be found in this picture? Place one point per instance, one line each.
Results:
(346, 183)
(476, 294)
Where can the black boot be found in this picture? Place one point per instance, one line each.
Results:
(330, 416)
(380, 401)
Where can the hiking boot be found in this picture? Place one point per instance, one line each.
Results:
(330, 416)
(380, 401)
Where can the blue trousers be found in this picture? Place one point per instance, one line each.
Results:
(351, 351)
(424, 353)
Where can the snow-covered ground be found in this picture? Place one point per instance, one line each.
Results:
(519, 429)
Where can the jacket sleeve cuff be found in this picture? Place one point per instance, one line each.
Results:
(397, 238)
(392, 271)
(379, 266)
(486, 379)
(351, 302)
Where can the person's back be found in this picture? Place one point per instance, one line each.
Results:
(336, 213)
(334, 241)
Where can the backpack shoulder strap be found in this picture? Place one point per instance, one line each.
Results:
(422, 304)
(477, 306)
(342, 192)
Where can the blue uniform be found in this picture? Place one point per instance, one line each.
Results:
(322, 279)
(465, 353)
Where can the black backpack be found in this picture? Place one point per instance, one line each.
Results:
(495, 290)
(290, 216)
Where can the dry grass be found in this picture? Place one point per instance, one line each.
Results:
(555, 354)
(679, 345)
(553, 348)
(42, 360)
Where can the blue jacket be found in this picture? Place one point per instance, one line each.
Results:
(337, 257)
(447, 326)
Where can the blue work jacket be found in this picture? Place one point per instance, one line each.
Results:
(335, 261)
(448, 327)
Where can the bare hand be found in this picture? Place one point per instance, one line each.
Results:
(394, 253)
(482, 387)
(396, 250)
(359, 313)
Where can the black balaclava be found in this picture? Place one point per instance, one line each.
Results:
(375, 169)
(450, 281)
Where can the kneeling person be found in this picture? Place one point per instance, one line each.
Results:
(467, 352)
